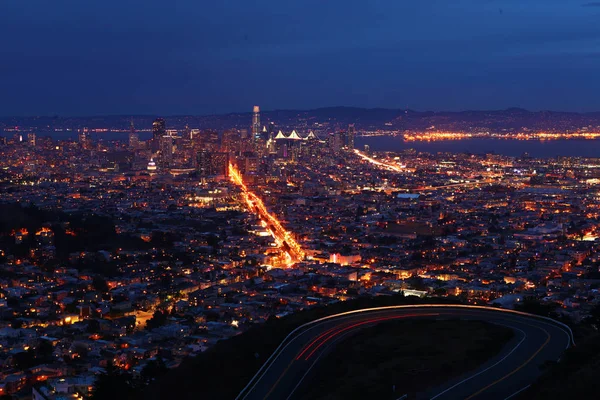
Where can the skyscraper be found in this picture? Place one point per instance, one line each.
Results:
(203, 162)
(350, 135)
(159, 128)
(256, 123)
(134, 139)
(166, 151)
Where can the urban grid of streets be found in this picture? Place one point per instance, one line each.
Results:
(203, 234)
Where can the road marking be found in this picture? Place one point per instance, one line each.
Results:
(487, 369)
(264, 368)
(517, 392)
(291, 362)
(312, 365)
(275, 384)
(340, 330)
(298, 331)
(516, 369)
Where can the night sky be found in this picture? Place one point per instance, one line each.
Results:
(81, 57)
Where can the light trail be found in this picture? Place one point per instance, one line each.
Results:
(389, 167)
(282, 237)
(395, 168)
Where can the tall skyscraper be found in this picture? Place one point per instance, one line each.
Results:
(159, 128)
(350, 135)
(134, 139)
(166, 151)
(256, 123)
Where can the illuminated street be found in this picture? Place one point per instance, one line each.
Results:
(283, 238)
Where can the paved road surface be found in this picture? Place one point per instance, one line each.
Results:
(518, 364)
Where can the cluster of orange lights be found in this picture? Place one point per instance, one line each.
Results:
(281, 235)
(439, 136)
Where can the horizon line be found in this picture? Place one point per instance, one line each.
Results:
(298, 110)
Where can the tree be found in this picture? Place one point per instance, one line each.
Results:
(24, 359)
(12, 302)
(45, 349)
(100, 284)
(93, 326)
(153, 370)
(114, 384)
(16, 323)
(159, 318)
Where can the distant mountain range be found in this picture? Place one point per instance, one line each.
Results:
(334, 118)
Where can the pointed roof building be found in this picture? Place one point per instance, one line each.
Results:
(280, 135)
(294, 136)
(311, 135)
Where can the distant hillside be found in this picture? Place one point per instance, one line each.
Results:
(333, 118)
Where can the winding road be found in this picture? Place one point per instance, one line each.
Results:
(536, 341)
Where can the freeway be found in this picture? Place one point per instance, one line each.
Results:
(536, 341)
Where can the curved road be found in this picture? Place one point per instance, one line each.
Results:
(536, 341)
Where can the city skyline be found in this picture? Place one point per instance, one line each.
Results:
(299, 200)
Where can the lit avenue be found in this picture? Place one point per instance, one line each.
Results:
(129, 249)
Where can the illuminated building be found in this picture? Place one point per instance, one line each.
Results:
(256, 123)
(187, 132)
(83, 138)
(212, 163)
(31, 139)
(338, 258)
(166, 151)
(151, 165)
(271, 131)
(134, 139)
(220, 163)
(203, 163)
(230, 141)
(350, 135)
(159, 129)
(334, 142)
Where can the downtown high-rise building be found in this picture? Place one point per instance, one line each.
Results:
(350, 135)
(166, 151)
(256, 134)
(159, 128)
(134, 138)
(211, 163)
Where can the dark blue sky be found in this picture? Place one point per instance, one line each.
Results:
(79, 57)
